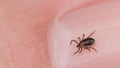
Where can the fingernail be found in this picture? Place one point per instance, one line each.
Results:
(59, 48)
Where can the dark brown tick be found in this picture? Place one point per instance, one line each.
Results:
(85, 43)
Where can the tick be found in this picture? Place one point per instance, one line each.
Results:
(85, 43)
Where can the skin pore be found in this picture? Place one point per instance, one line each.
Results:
(25, 25)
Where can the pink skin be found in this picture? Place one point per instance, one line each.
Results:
(29, 27)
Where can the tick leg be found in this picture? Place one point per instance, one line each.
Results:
(91, 33)
(73, 41)
(80, 50)
(87, 48)
(93, 48)
(77, 51)
(83, 36)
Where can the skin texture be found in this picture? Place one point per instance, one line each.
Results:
(23, 33)
(36, 33)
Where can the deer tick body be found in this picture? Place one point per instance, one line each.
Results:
(85, 43)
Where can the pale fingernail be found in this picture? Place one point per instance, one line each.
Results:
(59, 48)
